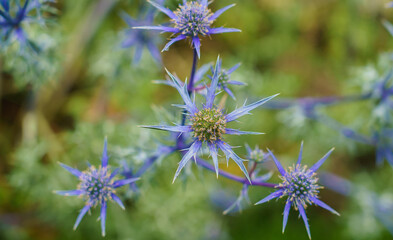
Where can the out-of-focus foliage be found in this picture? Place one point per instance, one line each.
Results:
(58, 105)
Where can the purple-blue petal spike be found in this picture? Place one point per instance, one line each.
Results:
(246, 109)
(211, 91)
(232, 69)
(192, 151)
(324, 205)
(170, 128)
(123, 182)
(230, 153)
(73, 171)
(76, 192)
(105, 154)
(299, 159)
(213, 153)
(159, 28)
(278, 164)
(321, 161)
(223, 30)
(182, 89)
(197, 45)
(271, 196)
(103, 217)
(168, 12)
(304, 216)
(172, 41)
(118, 201)
(231, 131)
(286, 214)
(220, 11)
(81, 215)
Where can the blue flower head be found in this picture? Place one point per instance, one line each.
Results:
(207, 125)
(300, 186)
(139, 38)
(97, 186)
(193, 19)
(225, 79)
(13, 15)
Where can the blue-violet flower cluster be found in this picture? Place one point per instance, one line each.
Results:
(97, 186)
(209, 124)
(300, 186)
(193, 19)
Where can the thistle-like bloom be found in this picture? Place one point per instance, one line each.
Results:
(225, 79)
(12, 17)
(97, 186)
(192, 19)
(300, 186)
(141, 38)
(207, 125)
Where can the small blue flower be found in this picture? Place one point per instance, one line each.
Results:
(192, 20)
(97, 186)
(209, 124)
(12, 17)
(300, 186)
(225, 79)
(139, 38)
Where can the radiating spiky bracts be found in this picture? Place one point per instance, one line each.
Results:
(300, 187)
(192, 19)
(97, 186)
(13, 16)
(208, 124)
(224, 79)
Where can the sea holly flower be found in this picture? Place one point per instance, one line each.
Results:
(13, 15)
(225, 79)
(300, 186)
(97, 186)
(207, 125)
(192, 19)
(139, 38)
(256, 154)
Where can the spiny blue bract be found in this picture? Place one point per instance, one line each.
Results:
(300, 186)
(96, 187)
(192, 19)
(12, 17)
(209, 124)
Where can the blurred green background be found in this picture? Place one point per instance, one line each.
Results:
(84, 88)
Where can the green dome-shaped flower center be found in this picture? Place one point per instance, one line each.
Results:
(208, 125)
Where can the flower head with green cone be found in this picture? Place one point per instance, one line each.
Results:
(192, 19)
(97, 186)
(207, 125)
(300, 186)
